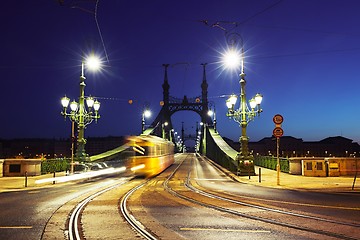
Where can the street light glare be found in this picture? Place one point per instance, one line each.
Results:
(231, 59)
(147, 113)
(93, 63)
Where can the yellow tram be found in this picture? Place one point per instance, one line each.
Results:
(151, 155)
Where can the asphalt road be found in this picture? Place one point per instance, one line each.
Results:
(24, 214)
(338, 205)
(170, 217)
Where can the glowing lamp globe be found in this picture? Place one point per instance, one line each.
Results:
(231, 59)
(252, 103)
(90, 102)
(96, 105)
(147, 113)
(65, 102)
(258, 98)
(73, 106)
(93, 63)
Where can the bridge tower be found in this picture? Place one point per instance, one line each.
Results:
(162, 124)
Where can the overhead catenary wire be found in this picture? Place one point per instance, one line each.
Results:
(98, 28)
(75, 5)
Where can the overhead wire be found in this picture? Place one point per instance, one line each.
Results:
(260, 12)
(235, 24)
(98, 28)
(75, 5)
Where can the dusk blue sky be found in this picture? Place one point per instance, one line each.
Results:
(302, 55)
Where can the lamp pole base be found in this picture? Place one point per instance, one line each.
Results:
(245, 166)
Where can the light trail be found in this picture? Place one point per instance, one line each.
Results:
(80, 176)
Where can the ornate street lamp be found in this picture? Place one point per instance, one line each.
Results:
(146, 114)
(244, 114)
(79, 113)
(212, 113)
(163, 129)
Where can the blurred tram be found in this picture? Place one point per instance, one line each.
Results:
(151, 155)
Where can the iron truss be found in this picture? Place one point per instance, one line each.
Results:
(191, 104)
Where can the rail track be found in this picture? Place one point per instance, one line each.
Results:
(322, 226)
(74, 231)
(332, 225)
(131, 219)
(137, 226)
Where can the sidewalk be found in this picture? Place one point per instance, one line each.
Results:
(268, 178)
(18, 183)
(298, 182)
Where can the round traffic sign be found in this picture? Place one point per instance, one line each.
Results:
(278, 132)
(278, 119)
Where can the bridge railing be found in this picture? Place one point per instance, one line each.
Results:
(270, 162)
(218, 150)
(148, 131)
(119, 153)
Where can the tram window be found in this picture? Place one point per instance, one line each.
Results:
(144, 151)
(149, 151)
(161, 152)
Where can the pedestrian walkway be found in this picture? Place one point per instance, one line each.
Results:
(268, 178)
(23, 183)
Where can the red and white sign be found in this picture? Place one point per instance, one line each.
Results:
(278, 132)
(278, 119)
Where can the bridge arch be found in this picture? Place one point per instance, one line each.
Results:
(171, 105)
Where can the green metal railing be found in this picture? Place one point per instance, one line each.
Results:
(270, 162)
(219, 151)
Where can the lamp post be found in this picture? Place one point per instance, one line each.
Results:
(163, 129)
(212, 113)
(243, 115)
(79, 113)
(146, 114)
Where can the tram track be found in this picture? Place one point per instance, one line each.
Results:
(74, 229)
(208, 195)
(137, 226)
(234, 205)
(135, 223)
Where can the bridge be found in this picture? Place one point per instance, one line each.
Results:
(210, 144)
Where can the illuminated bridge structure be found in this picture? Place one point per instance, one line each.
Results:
(171, 105)
(211, 144)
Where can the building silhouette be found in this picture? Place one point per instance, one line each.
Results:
(289, 147)
(337, 146)
(54, 148)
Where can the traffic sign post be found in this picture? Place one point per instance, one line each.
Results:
(278, 119)
(278, 132)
